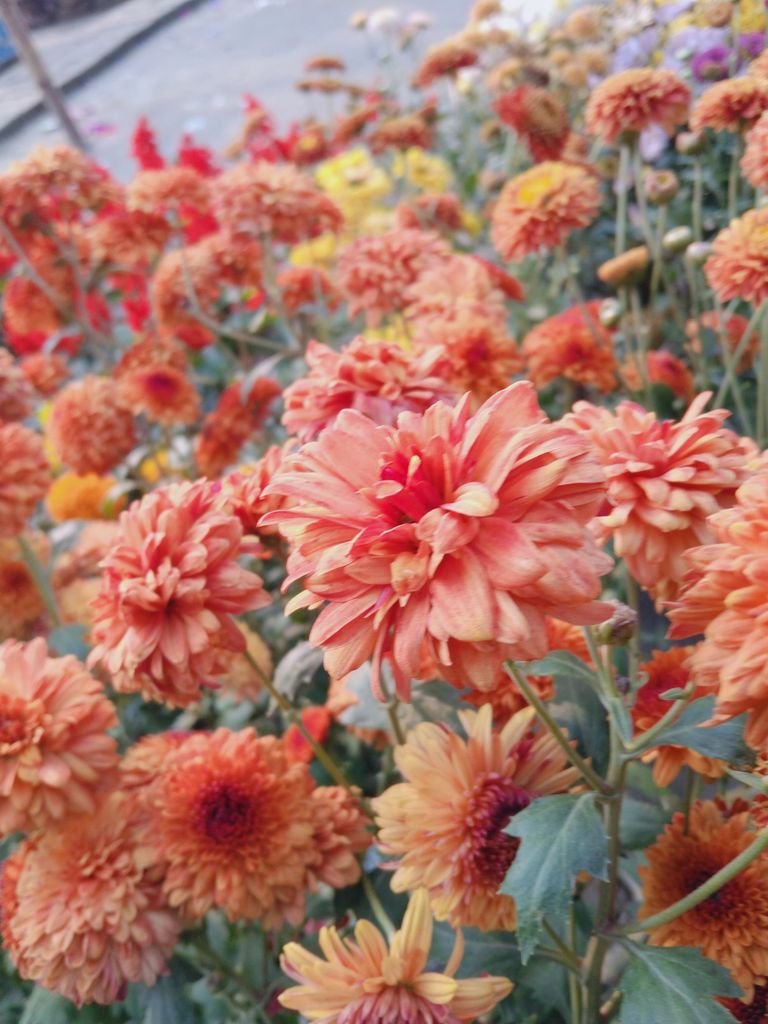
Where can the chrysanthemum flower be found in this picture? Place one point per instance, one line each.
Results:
(481, 357)
(307, 286)
(572, 344)
(401, 132)
(538, 117)
(733, 105)
(754, 163)
(164, 394)
(340, 835)
(80, 497)
(664, 480)
(362, 981)
(731, 926)
(378, 378)
(667, 670)
(168, 189)
(141, 766)
(275, 200)
(234, 821)
(16, 394)
(428, 540)
(633, 100)
(90, 428)
(441, 213)
(446, 820)
(24, 476)
(541, 207)
(661, 367)
(733, 328)
(236, 418)
(27, 308)
(20, 601)
(723, 597)
(457, 285)
(46, 373)
(738, 266)
(55, 753)
(88, 914)
(244, 489)
(170, 586)
(375, 273)
(445, 58)
(132, 239)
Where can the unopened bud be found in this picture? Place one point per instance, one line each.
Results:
(620, 628)
(690, 143)
(698, 253)
(609, 312)
(661, 187)
(677, 239)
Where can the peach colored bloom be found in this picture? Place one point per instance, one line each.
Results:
(633, 100)
(151, 350)
(738, 266)
(244, 489)
(457, 285)
(141, 766)
(16, 394)
(24, 476)
(27, 308)
(572, 344)
(46, 373)
(237, 417)
(307, 286)
(164, 394)
(132, 239)
(625, 267)
(733, 105)
(731, 926)
(667, 670)
(340, 835)
(754, 163)
(275, 200)
(446, 821)
(541, 207)
(362, 981)
(378, 378)
(168, 189)
(88, 911)
(425, 538)
(723, 597)
(375, 273)
(170, 586)
(538, 118)
(55, 753)
(664, 480)
(445, 58)
(90, 429)
(401, 132)
(661, 367)
(20, 602)
(441, 213)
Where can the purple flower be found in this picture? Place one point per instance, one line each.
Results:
(711, 65)
(751, 44)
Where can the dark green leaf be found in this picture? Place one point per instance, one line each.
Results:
(166, 1002)
(577, 709)
(484, 952)
(640, 823)
(673, 985)
(723, 741)
(44, 1007)
(560, 836)
(561, 665)
(69, 640)
(296, 668)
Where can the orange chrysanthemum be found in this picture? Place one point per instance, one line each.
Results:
(724, 596)
(738, 266)
(731, 926)
(664, 480)
(661, 367)
(81, 497)
(132, 239)
(90, 428)
(424, 538)
(16, 394)
(378, 378)
(376, 273)
(572, 344)
(733, 328)
(733, 105)
(164, 394)
(363, 981)
(428, 212)
(245, 487)
(445, 58)
(235, 823)
(237, 417)
(168, 189)
(538, 117)
(541, 207)
(46, 373)
(275, 200)
(754, 163)
(88, 914)
(20, 601)
(171, 583)
(667, 670)
(446, 820)
(307, 286)
(459, 285)
(142, 765)
(480, 356)
(400, 133)
(28, 309)
(633, 100)
(24, 476)
(54, 749)
(340, 835)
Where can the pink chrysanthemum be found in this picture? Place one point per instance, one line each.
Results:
(90, 428)
(541, 207)
(459, 285)
(375, 273)
(24, 476)
(732, 105)
(55, 753)
(378, 378)
(754, 163)
(16, 394)
(633, 100)
(664, 480)
(426, 539)
(738, 266)
(170, 586)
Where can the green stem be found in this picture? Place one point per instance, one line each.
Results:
(698, 200)
(648, 738)
(588, 773)
(41, 580)
(702, 892)
(733, 180)
(622, 182)
(762, 386)
(221, 966)
(565, 950)
(379, 912)
(392, 705)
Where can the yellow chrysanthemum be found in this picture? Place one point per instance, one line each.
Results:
(423, 170)
(81, 497)
(354, 181)
(319, 253)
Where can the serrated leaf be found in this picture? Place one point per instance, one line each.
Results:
(560, 836)
(577, 709)
(673, 985)
(296, 668)
(722, 741)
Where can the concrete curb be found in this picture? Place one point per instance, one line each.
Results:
(116, 51)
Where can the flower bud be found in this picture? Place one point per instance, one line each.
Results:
(661, 187)
(698, 253)
(620, 628)
(625, 268)
(718, 13)
(690, 143)
(677, 239)
(609, 313)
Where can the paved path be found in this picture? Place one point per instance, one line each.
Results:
(191, 74)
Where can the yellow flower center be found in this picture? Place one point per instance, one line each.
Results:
(534, 190)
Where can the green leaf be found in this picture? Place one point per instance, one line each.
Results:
(673, 985)
(44, 1007)
(640, 823)
(69, 640)
(559, 837)
(484, 952)
(561, 664)
(723, 741)
(577, 709)
(166, 1002)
